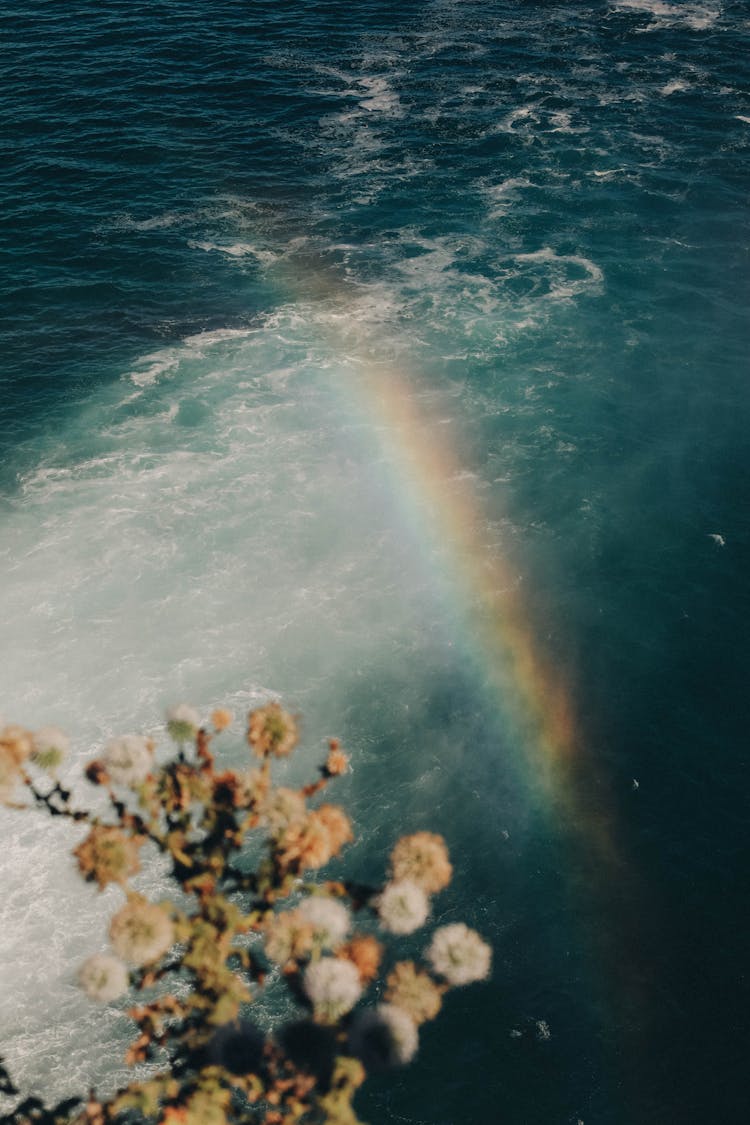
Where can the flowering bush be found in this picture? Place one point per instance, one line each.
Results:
(198, 963)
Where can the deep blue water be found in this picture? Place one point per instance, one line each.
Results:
(540, 211)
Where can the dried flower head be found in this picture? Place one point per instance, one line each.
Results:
(402, 907)
(141, 932)
(366, 953)
(103, 977)
(16, 742)
(414, 991)
(288, 937)
(10, 774)
(183, 722)
(337, 824)
(50, 747)
(107, 855)
(221, 718)
(337, 761)
(333, 987)
(423, 858)
(282, 808)
(330, 920)
(305, 846)
(16, 745)
(271, 730)
(128, 759)
(459, 954)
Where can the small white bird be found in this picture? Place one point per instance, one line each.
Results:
(719, 540)
(636, 783)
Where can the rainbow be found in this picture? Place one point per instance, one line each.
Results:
(528, 697)
(441, 499)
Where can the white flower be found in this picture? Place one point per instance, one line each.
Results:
(141, 931)
(459, 954)
(50, 747)
(183, 722)
(128, 759)
(333, 986)
(282, 808)
(103, 977)
(403, 907)
(384, 1036)
(330, 920)
(403, 1031)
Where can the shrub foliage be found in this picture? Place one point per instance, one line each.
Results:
(253, 903)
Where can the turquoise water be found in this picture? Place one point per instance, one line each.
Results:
(215, 218)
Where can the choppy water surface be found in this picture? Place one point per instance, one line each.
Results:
(265, 268)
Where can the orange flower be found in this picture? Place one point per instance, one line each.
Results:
(422, 859)
(221, 718)
(17, 743)
(337, 762)
(10, 774)
(338, 824)
(307, 845)
(365, 952)
(174, 1115)
(107, 855)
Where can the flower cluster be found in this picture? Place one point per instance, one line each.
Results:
(241, 923)
(128, 760)
(15, 747)
(272, 732)
(108, 855)
(20, 748)
(419, 867)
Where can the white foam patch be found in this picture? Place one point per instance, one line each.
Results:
(520, 116)
(222, 533)
(380, 97)
(155, 222)
(152, 367)
(502, 196)
(697, 17)
(373, 94)
(567, 275)
(237, 250)
(676, 86)
(165, 363)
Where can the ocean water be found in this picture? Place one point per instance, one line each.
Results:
(391, 359)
